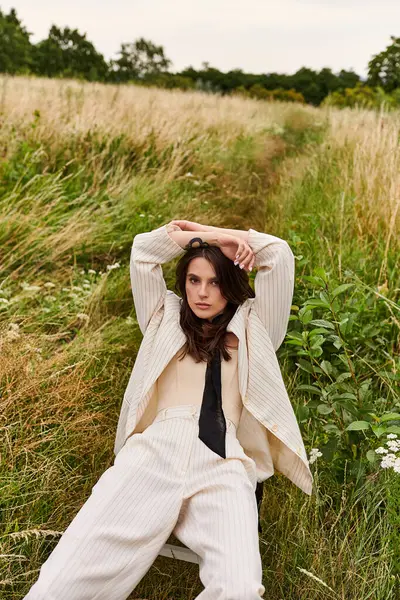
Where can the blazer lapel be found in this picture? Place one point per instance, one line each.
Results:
(237, 325)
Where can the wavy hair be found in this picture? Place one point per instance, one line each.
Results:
(204, 338)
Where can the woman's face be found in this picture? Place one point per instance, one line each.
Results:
(202, 286)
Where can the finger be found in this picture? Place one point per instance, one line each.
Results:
(245, 257)
(239, 252)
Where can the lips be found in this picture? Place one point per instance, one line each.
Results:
(203, 305)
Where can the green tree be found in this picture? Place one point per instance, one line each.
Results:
(384, 68)
(68, 53)
(15, 46)
(139, 60)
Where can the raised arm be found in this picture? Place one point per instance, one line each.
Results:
(273, 283)
(149, 251)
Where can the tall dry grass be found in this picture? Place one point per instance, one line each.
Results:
(370, 172)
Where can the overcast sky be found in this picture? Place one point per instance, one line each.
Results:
(257, 36)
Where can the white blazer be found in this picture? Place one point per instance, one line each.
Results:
(268, 430)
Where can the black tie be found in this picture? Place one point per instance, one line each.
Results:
(212, 424)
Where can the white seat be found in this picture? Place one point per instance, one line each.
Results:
(179, 552)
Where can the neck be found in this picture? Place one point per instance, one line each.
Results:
(215, 316)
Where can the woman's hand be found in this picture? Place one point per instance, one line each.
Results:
(190, 225)
(237, 250)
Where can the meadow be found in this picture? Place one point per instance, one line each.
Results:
(84, 167)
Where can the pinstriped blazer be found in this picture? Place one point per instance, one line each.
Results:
(268, 430)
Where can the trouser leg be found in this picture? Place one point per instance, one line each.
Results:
(117, 534)
(219, 521)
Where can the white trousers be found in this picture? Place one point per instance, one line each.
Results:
(164, 480)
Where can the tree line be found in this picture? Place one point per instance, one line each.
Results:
(68, 53)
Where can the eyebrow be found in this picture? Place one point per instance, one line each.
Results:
(194, 275)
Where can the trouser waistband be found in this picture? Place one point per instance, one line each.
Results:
(188, 411)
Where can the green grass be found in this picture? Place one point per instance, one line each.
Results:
(71, 204)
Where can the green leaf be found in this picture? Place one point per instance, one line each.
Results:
(315, 280)
(295, 335)
(392, 429)
(315, 303)
(318, 340)
(341, 288)
(358, 426)
(318, 330)
(371, 456)
(294, 342)
(326, 366)
(305, 365)
(322, 323)
(378, 431)
(390, 417)
(332, 427)
(319, 271)
(305, 314)
(343, 376)
(315, 352)
(325, 299)
(324, 409)
(309, 388)
(348, 396)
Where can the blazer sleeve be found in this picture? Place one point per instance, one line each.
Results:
(149, 251)
(273, 283)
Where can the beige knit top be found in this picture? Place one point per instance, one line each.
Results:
(183, 381)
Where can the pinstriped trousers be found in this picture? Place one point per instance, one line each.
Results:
(164, 480)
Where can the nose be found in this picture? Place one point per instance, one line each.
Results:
(203, 293)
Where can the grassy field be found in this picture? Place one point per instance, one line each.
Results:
(84, 167)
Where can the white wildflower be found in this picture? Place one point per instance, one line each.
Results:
(4, 301)
(50, 298)
(49, 284)
(394, 445)
(77, 288)
(189, 174)
(114, 266)
(391, 436)
(129, 320)
(92, 271)
(388, 461)
(65, 289)
(83, 317)
(381, 450)
(142, 215)
(87, 286)
(314, 454)
(82, 272)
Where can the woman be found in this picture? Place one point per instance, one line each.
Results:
(205, 416)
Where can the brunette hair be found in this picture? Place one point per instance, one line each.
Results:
(204, 338)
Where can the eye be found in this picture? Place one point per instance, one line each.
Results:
(193, 280)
